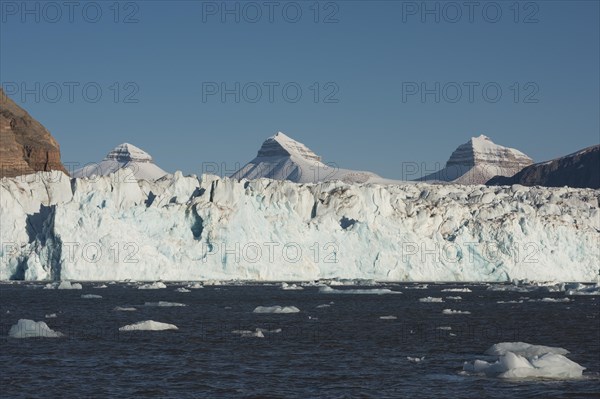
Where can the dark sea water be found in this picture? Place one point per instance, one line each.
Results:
(344, 350)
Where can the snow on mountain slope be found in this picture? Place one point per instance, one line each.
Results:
(283, 158)
(138, 163)
(185, 228)
(478, 160)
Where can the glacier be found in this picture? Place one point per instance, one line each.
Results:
(189, 228)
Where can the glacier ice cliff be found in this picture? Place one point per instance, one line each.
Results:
(180, 227)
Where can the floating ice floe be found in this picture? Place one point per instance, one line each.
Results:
(26, 328)
(50, 316)
(164, 304)
(276, 309)
(195, 286)
(415, 359)
(152, 286)
(445, 328)
(430, 299)
(358, 291)
(249, 333)
(325, 305)
(148, 325)
(581, 289)
(124, 309)
(456, 298)
(91, 296)
(417, 287)
(265, 330)
(450, 311)
(522, 360)
(100, 286)
(553, 300)
(388, 317)
(457, 290)
(181, 289)
(291, 287)
(67, 285)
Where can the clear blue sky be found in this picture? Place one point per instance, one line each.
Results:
(370, 56)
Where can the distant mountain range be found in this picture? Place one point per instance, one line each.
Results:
(580, 169)
(28, 147)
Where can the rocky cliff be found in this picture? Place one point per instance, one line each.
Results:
(25, 145)
(580, 169)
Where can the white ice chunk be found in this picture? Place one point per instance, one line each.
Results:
(91, 296)
(249, 334)
(457, 290)
(450, 311)
(67, 285)
(148, 325)
(164, 304)
(358, 291)
(291, 287)
(522, 360)
(276, 309)
(523, 349)
(153, 286)
(430, 299)
(124, 309)
(26, 328)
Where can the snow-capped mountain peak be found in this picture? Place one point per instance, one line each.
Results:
(124, 156)
(281, 145)
(478, 160)
(128, 152)
(282, 158)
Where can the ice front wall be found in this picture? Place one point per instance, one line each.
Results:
(188, 228)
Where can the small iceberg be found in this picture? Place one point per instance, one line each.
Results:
(415, 359)
(67, 285)
(249, 334)
(276, 309)
(152, 286)
(456, 290)
(148, 325)
(450, 311)
(430, 299)
(91, 296)
(521, 360)
(50, 316)
(358, 291)
(124, 309)
(164, 304)
(291, 287)
(181, 289)
(388, 317)
(26, 328)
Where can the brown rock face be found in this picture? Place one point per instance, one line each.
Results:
(25, 145)
(580, 170)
